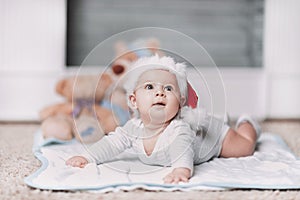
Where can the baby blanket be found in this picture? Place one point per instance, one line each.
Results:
(273, 166)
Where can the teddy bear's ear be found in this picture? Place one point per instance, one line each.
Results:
(60, 86)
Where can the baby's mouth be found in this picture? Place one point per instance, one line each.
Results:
(159, 104)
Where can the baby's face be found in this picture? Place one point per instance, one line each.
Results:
(157, 96)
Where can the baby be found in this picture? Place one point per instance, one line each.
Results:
(165, 132)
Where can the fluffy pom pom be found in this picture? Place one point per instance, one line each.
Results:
(195, 117)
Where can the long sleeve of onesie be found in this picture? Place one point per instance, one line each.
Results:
(109, 146)
(181, 148)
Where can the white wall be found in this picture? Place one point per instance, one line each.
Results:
(32, 52)
(282, 58)
(32, 55)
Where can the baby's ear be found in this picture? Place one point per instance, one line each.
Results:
(182, 101)
(132, 100)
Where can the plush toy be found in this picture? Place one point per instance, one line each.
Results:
(81, 115)
(94, 105)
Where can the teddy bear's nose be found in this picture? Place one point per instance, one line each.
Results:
(118, 69)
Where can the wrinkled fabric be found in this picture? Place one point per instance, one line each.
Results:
(273, 166)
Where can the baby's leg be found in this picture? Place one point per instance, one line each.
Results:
(242, 141)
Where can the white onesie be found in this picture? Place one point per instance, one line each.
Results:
(177, 146)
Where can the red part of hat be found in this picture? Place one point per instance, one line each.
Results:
(192, 97)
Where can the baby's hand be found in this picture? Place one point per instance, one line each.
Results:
(177, 175)
(77, 161)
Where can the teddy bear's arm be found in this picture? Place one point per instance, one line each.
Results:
(107, 120)
(61, 108)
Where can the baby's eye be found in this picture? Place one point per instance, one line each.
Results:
(149, 86)
(168, 88)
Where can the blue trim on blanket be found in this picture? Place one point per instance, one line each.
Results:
(39, 142)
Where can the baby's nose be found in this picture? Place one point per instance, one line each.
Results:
(159, 93)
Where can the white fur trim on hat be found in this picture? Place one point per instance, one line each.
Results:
(152, 63)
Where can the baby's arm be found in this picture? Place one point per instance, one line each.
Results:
(181, 154)
(77, 161)
(177, 175)
(103, 150)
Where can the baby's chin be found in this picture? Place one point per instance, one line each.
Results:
(159, 116)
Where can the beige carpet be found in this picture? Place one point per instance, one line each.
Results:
(17, 162)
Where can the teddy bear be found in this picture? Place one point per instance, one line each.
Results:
(81, 115)
(96, 105)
